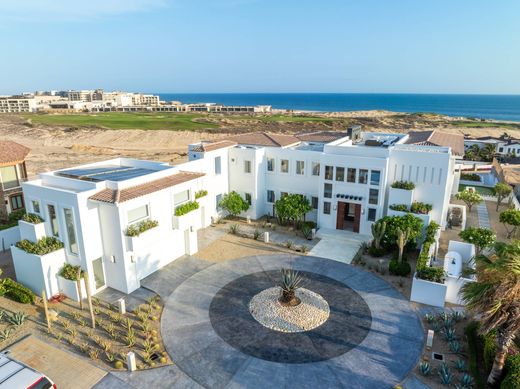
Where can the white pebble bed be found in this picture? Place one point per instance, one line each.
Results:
(312, 312)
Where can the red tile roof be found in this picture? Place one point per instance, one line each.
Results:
(120, 196)
(211, 146)
(321, 136)
(12, 153)
(437, 138)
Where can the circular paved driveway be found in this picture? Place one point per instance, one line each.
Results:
(372, 339)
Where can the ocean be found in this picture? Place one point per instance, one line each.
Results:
(498, 107)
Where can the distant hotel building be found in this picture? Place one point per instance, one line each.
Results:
(17, 104)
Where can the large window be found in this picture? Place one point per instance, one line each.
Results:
(35, 206)
(373, 196)
(327, 190)
(249, 198)
(329, 171)
(218, 165)
(284, 166)
(71, 230)
(137, 214)
(300, 167)
(363, 176)
(315, 168)
(375, 177)
(16, 202)
(340, 174)
(270, 164)
(351, 175)
(326, 208)
(247, 166)
(314, 202)
(181, 197)
(51, 209)
(371, 217)
(8, 177)
(270, 196)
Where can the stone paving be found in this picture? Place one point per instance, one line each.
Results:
(383, 358)
(339, 245)
(483, 216)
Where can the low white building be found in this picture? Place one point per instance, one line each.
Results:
(89, 208)
(17, 104)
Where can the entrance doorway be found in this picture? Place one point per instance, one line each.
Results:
(348, 216)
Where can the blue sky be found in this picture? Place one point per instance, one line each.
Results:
(442, 46)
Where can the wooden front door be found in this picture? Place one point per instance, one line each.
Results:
(340, 216)
(357, 217)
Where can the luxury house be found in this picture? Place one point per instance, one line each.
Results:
(12, 174)
(347, 178)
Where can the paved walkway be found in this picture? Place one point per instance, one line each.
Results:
(384, 357)
(483, 216)
(339, 245)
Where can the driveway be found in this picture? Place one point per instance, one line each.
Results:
(338, 245)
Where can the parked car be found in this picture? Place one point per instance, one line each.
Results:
(17, 375)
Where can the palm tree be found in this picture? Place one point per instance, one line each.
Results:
(495, 297)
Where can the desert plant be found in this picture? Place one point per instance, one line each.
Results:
(445, 374)
(256, 234)
(84, 347)
(425, 368)
(93, 353)
(402, 239)
(378, 231)
(458, 316)
(501, 191)
(130, 337)
(118, 364)
(399, 269)
(5, 334)
(429, 318)
(289, 244)
(449, 334)
(469, 197)
(460, 365)
(110, 356)
(304, 249)
(455, 346)
(466, 380)
(290, 282)
(127, 323)
(17, 318)
(307, 231)
(234, 229)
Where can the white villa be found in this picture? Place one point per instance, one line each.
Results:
(346, 176)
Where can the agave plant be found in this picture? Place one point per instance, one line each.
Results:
(466, 381)
(291, 280)
(445, 374)
(425, 368)
(460, 365)
(17, 318)
(5, 334)
(449, 334)
(458, 316)
(455, 346)
(429, 318)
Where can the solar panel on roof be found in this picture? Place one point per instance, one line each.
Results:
(102, 173)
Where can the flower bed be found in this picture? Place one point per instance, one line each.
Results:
(185, 208)
(201, 193)
(406, 185)
(32, 218)
(420, 208)
(43, 246)
(139, 228)
(399, 207)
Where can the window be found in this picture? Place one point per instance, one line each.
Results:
(283, 194)
(270, 196)
(340, 174)
(247, 166)
(351, 174)
(373, 196)
(315, 168)
(53, 220)
(16, 202)
(371, 215)
(375, 177)
(9, 177)
(270, 164)
(181, 197)
(71, 231)
(35, 206)
(363, 176)
(314, 202)
(137, 214)
(218, 198)
(218, 165)
(300, 167)
(500, 149)
(326, 208)
(329, 171)
(327, 191)
(248, 198)
(284, 166)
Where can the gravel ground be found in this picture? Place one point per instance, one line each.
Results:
(312, 312)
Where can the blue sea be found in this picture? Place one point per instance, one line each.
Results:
(498, 107)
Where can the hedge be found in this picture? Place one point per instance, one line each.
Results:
(399, 207)
(512, 378)
(424, 272)
(185, 208)
(13, 219)
(139, 228)
(407, 185)
(45, 245)
(17, 292)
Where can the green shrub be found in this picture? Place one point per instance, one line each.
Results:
(376, 252)
(309, 224)
(397, 268)
(17, 292)
(16, 215)
(201, 193)
(139, 228)
(403, 185)
(45, 245)
(70, 272)
(489, 349)
(420, 208)
(431, 230)
(512, 378)
(471, 332)
(399, 207)
(307, 232)
(404, 223)
(433, 274)
(470, 177)
(32, 218)
(185, 208)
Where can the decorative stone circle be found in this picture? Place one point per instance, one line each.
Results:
(312, 311)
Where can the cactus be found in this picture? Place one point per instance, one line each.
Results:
(425, 368)
(378, 231)
(445, 374)
(402, 239)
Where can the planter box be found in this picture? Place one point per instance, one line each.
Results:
(38, 272)
(400, 196)
(184, 222)
(427, 292)
(32, 232)
(70, 288)
(135, 243)
(8, 237)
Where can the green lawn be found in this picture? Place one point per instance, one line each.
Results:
(125, 120)
(285, 118)
(476, 124)
(480, 189)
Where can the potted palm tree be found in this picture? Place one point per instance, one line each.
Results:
(495, 298)
(291, 281)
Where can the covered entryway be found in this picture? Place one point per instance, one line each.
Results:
(348, 216)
